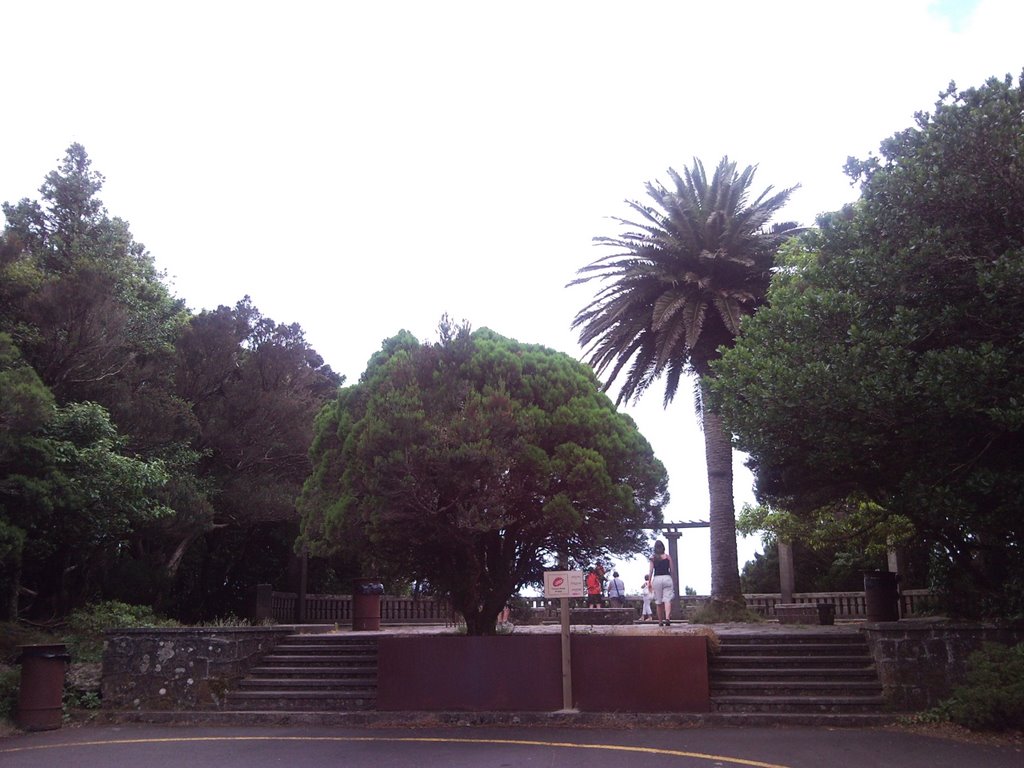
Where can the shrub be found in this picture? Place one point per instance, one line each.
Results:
(10, 680)
(75, 699)
(87, 625)
(992, 696)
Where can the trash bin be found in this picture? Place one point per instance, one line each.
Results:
(42, 686)
(366, 604)
(881, 596)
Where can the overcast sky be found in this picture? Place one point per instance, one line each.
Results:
(360, 168)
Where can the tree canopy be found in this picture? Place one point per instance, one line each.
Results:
(883, 387)
(475, 462)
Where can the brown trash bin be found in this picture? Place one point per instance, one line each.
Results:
(366, 604)
(41, 693)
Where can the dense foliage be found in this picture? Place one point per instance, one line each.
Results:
(881, 395)
(471, 464)
(991, 697)
(814, 570)
(146, 453)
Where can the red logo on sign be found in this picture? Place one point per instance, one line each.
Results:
(557, 581)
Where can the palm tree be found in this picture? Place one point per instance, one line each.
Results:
(673, 294)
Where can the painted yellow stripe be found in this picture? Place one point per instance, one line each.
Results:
(407, 739)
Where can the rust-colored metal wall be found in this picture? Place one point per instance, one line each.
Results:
(640, 674)
(523, 673)
(469, 674)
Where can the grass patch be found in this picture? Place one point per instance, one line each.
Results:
(725, 612)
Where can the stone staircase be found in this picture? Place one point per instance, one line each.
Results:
(805, 678)
(311, 673)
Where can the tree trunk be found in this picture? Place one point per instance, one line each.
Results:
(478, 623)
(725, 572)
(11, 599)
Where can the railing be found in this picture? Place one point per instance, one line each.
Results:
(848, 605)
(336, 609)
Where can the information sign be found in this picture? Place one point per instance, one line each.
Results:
(564, 584)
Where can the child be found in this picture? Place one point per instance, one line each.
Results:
(645, 593)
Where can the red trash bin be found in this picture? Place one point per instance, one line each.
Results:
(366, 604)
(41, 693)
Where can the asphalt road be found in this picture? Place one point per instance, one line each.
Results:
(476, 747)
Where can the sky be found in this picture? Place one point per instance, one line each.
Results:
(360, 168)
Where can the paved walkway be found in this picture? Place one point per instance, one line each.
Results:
(164, 747)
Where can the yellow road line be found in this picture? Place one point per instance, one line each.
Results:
(407, 739)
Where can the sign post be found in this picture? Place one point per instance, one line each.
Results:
(563, 585)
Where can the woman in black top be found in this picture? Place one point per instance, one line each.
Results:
(661, 583)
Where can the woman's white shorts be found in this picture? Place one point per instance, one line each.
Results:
(662, 588)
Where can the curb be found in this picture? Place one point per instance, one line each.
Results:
(560, 719)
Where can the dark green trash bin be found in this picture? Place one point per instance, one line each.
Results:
(41, 691)
(881, 596)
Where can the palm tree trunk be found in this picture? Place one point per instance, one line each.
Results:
(725, 574)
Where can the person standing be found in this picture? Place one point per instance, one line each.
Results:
(617, 591)
(645, 595)
(661, 583)
(593, 589)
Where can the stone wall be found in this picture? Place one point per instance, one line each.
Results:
(177, 669)
(921, 661)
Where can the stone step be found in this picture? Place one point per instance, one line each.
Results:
(801, 677)
(305, 670)
(293, 660)
(349, 646)
(311, 673)
(787, 674)
(308, 683)
(800, 704)
(723, 660)
(793, 637)
(794, 649)
(301, 701)
(326, 648)
(836, 688)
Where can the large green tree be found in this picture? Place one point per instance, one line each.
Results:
(255, 387)
(221, 402)
(86, 305)
(70, 494)
(472, 464)
(884, 384)
(26, 406)
(672, 295)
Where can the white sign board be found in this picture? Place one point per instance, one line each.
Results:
(564, 584)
